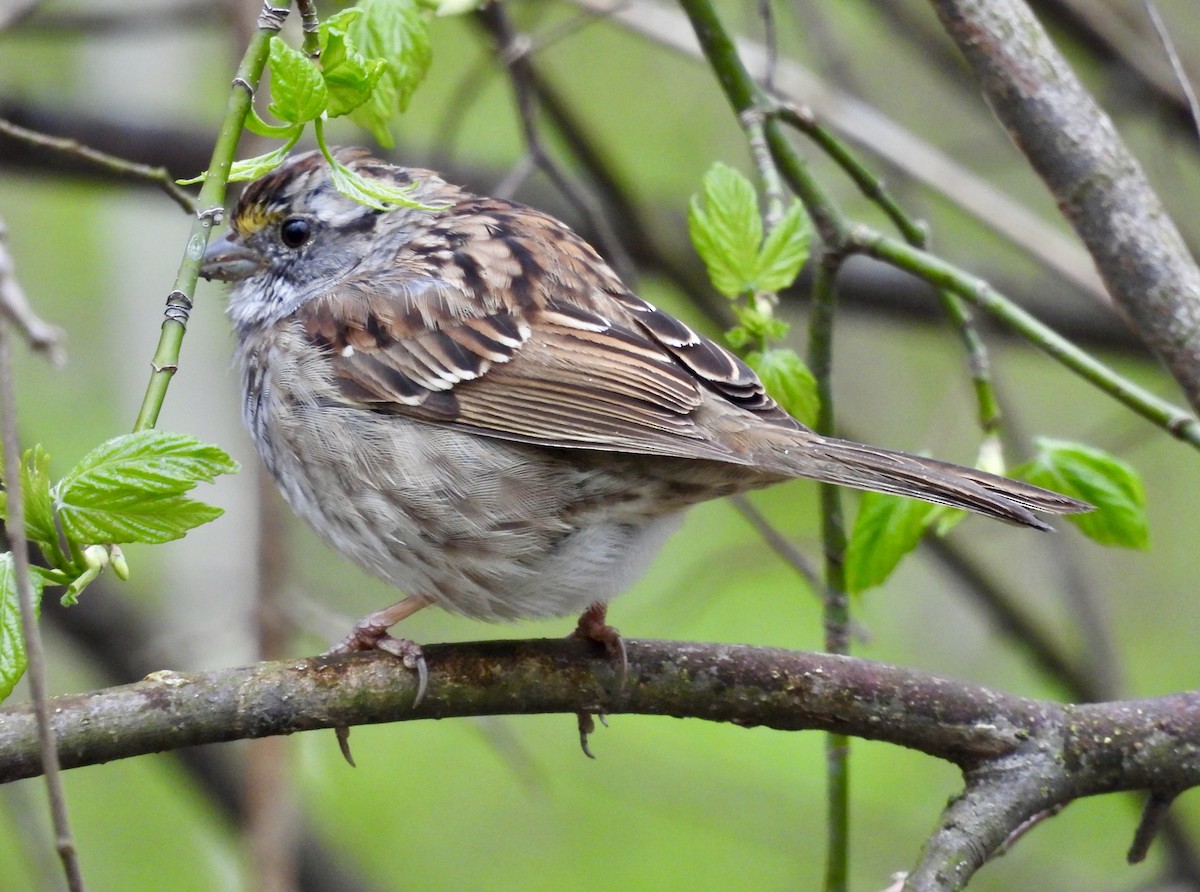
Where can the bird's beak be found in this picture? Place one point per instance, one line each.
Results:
(229, 260)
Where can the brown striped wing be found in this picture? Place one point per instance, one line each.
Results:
(554, 374)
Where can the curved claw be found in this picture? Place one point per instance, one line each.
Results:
(343, 739)
(409, 653)
(586, 727)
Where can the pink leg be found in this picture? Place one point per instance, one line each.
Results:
(593, 626)
(371, 633)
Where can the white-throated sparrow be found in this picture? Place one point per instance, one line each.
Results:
(467, 402)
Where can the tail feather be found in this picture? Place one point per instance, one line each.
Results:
(942, 483)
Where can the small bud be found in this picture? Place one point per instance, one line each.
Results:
(119, 565)
(95, 557)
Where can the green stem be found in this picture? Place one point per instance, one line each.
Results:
(768, 173)
(1174, 420)
(873, 188)
(211, 200)
(836, 601)
(748, 100)
(750, 104)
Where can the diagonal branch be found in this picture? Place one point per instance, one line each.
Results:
(1099, 185)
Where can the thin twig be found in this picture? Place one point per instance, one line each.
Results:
(159, 176)
(35, 653)
(1177, 422)
(513, 48)
(41, 336)
(212, 198)
(269, 801)
(1153, 817)
(873, 188)
(1185, 83)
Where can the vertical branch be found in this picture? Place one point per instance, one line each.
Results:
(836, 601)
(35, 653)
(749, 103)
(211, 200)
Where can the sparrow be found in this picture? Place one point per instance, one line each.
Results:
(465, 400)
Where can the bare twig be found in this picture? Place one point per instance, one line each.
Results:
(1185, 83)
(1153, 817)
(41, 336)
(159, 176)
(514, 49)
(270, 808)
(35, 653)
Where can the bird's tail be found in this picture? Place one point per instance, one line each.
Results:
(899, 473)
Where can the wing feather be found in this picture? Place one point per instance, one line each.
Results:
(575, 362)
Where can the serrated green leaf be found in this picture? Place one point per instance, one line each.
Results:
(374, 193)
(298, 92)
(1093, 475)
(789, 382)
(726, 230)
(885, 530)
(757, 324)
(12, 639)
(131, 489)
(349, 78)
(784, 250)
(35, 490)
(396, 32)
(253, 168)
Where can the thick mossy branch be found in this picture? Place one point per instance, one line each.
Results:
(1094, 748)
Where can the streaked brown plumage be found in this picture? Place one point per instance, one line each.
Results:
(469, 403)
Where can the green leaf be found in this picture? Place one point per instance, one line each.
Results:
(35, 489)
(886, 529)
(1093, 475)
(396, 32)
(374, 193)
(349, 77)
(298, 92)
(256, 124)
(756, 325)
(784, 251)
(788, 381)
(12, 639)
(131, 489)
(337, 24)
(253, 168)
(726, 229)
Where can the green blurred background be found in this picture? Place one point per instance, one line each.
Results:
(510, 803)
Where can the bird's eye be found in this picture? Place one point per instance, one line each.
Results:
(295, 231)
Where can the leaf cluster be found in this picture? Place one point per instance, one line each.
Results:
(132, 488)
(372, 58)
(750, 263)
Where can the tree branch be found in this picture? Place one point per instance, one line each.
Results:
(1097, 748)
(1098, 184)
